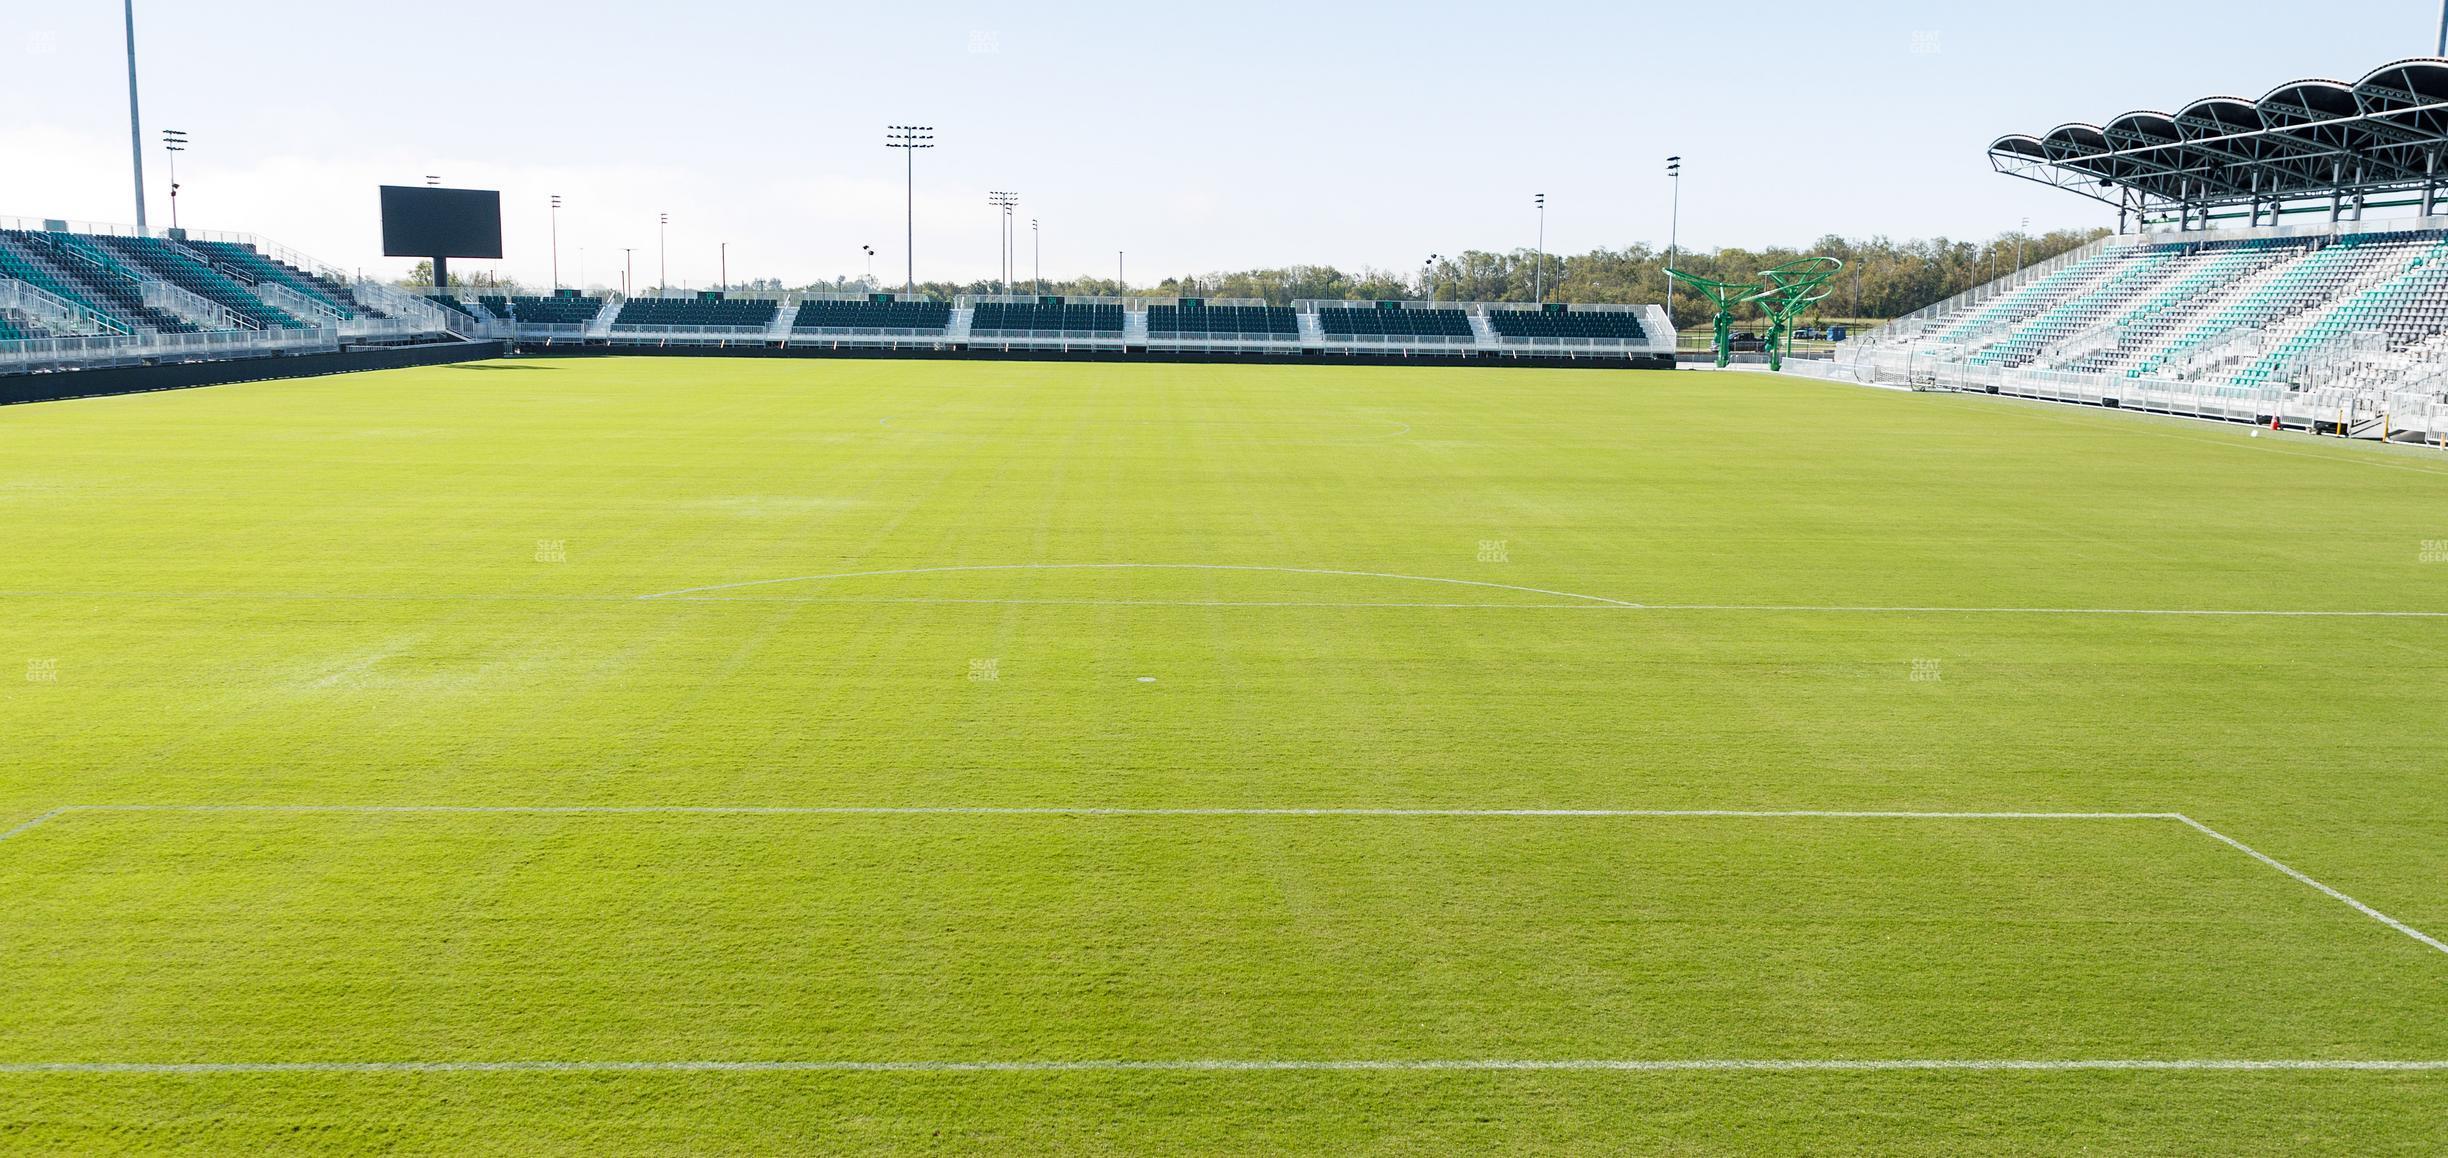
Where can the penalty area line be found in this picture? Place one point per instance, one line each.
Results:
(2333, 894)
(2417, 935)
(1240, 1065)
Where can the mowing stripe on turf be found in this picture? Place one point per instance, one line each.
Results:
(1589, 602)
(987, 810)
(1596, 599)
(1240, 1065)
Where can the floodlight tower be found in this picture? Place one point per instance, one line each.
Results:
(1036, 258)
(869, 250)
(174, 142)
(1538, 279)
(1674, 226)
(909, 139)
(1005, 202)
(1427, 274)
(556, 241)
(135, 121)
(662, 254)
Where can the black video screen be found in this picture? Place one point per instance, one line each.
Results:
(420, 221)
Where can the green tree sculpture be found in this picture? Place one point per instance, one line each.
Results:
(1792, 288)
(1726, 295)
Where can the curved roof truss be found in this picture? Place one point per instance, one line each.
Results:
(2304, 139)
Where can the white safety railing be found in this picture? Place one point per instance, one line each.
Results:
(100, 351)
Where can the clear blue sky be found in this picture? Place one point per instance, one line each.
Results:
(1197, 137)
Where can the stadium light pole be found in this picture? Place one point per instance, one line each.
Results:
(869, 250)
(1004, 202)
(1427, 271)
(1538, 277)
(1674, 227)
(628, 268)
(135, 119)
(1121, 282)
(726, 267)
(174, 142)
(2019, 236)
(662, 254)
(1036, 257)
(909, 139)
(556, 241)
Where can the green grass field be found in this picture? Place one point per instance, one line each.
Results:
(806, 756)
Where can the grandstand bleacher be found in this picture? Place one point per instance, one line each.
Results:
(1567, 324)
(863, 315)
(73, 297)
(1082, 320)
(715, 314)
(169, 261)
(558, 310)
(1185, 322)
(1385, 321)
(2301, 325)
(2252, 287)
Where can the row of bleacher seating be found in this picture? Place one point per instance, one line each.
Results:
(1007, 318)
(696, 313)
(1237, 323)
(1377, 321)
(83, 277)
(1597, 325)
(2358, 317)
(172, 263)
(258, 268)
(824, 314)
(557, 310)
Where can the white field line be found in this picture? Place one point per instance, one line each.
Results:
(31, 823)
(2333, 894)
(1595, 599)
(1238, 1065)
(1586, 602)
(1938, 610)
(1055, 810)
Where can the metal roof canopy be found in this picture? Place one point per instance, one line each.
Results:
(2328, 140)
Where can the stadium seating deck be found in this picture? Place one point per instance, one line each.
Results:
(1234, 323)
(2312, 323)
(914, 317)
(1596, 325)
(85, 277)
(166, 260)
(695, 313)
(259, 268)
(1085, 320)
(554, 311)
(1372, 322)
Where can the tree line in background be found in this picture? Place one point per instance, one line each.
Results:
(1882, 278)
